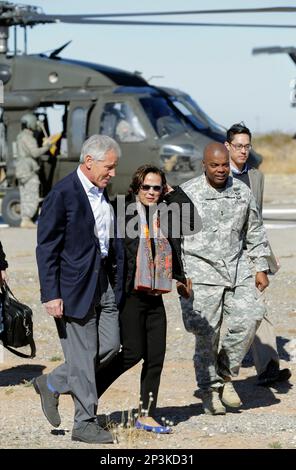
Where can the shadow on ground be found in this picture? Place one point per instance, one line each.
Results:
(254, 396)
(177, 414)
(19, 374)
(283, 354)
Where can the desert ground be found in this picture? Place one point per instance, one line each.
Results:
(266, 419)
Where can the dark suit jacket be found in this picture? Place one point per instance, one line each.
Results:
(3, 262)
(68, 253)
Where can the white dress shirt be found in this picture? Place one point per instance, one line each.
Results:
(101, 210)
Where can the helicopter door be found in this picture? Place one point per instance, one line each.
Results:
(123, 121)
(77, 127)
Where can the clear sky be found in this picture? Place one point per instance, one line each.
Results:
(214, 65)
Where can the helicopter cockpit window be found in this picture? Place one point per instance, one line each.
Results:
(196, 119)
(120, 122)
(194, 112)
(163, 118)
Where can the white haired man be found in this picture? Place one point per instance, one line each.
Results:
(73, 254)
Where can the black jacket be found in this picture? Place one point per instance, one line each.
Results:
(131, 244)
(3, 262)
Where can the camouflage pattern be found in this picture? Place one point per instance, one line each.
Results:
(202, 316)
(27, 152)
(26, 171)
(29, 195)
(223, 287)
(215, 254)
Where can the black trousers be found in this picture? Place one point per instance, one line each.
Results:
(143, 336)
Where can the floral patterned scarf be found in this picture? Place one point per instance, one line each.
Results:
(152, 275)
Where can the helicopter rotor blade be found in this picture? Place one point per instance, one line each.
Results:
(49, 19)
(26, 15)
(273, 50)
(172, 13)
(291, 51)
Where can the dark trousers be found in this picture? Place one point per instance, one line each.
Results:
(143, 336)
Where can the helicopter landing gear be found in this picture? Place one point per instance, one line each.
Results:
(11, 208)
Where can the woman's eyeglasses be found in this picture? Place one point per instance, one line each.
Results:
(147, 187)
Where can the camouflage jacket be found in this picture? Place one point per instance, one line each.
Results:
(28, 151)
(215, 255)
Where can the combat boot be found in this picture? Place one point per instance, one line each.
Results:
(27, 223)
(229, 396)
(211, 403)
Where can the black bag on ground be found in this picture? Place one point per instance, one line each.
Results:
(17, 322)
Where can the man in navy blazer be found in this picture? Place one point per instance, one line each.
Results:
(76, 254)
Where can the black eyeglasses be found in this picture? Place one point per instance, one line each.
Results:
(146, 187)
(239, 147)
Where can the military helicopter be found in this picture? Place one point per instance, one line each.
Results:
(151, 124)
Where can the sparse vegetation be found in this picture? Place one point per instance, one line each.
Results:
(275, 445)
(126, 431)
(278, 151)
(55, 358)
(27, 383)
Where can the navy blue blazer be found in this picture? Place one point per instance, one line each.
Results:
(68, 253)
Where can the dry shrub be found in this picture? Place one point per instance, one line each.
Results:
(125, 432)
(278, 151)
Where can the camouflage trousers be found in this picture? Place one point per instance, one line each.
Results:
(29, 194)
(203, 314)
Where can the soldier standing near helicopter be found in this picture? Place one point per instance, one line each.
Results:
(27, 168)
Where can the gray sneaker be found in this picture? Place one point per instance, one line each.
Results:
(91, 433)
(49, 400)
(211, 403)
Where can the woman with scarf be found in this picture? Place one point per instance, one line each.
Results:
(152, 260)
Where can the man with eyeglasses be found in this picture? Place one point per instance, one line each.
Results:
(264, 349)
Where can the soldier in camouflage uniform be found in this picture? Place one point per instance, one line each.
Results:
(27, 169)
(223, 287)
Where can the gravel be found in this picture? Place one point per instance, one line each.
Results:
(266, 419)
